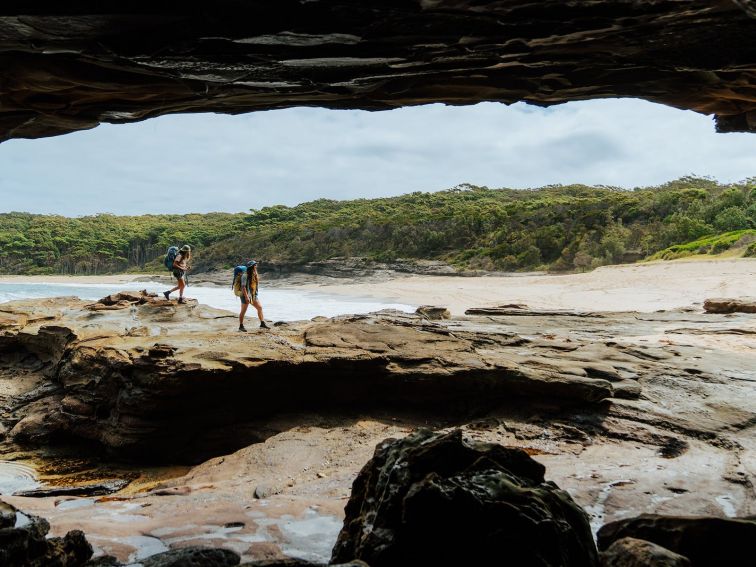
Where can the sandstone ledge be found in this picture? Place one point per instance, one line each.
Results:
(157, 381)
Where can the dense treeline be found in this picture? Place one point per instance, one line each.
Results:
(557, 227)
(37, 244)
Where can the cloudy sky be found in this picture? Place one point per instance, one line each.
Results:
(208, 162)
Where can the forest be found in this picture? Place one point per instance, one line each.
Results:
(555, 228)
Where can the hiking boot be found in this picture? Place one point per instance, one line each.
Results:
(264, 325)
(167, 294)
(182, 300)
(242, 329)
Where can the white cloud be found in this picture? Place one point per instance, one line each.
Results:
(207, 162)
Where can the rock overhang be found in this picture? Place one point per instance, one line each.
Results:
(73, 68)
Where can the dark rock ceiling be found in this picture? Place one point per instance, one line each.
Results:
(65, 69)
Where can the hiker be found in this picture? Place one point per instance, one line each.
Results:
(179, 268)
(246, 288)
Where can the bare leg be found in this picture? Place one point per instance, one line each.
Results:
(258, 306)
(169, 292)
(242, 312)
(181, 286)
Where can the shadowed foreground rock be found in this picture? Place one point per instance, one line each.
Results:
(437, 499)
(706, 542)
(73, 67)
(23, 542)
(631, 552)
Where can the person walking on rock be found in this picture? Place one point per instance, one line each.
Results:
(180, 267)
(247, 292)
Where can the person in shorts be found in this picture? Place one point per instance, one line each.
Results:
(249, 295)
(181, 265)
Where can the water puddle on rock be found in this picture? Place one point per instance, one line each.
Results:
(15, 476)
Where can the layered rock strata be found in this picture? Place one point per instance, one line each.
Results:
(75, 67)
(680, 441)
(161, 380)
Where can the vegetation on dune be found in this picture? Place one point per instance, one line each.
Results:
(714, 244)
(572, 227)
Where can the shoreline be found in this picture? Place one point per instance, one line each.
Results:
(642, 287)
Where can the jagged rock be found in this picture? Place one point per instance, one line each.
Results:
(71, 68)
(24, 543)
(723, 305)
(631, 552)
(433, 313)
(128, 299)
(437, 499)
(174, 392)
(704, 541)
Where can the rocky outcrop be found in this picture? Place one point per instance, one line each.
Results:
(631, 552)
(23, 542)
(437, 499)
(72, 68)
(433, 313)
(706, 542)
(723, 305)
(157, 381)
(126, 299)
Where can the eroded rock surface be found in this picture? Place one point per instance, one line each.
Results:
(158, 380)
(684, 445)
(73, 68)
(436, 499)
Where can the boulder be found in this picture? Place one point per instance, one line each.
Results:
(724, 305)
(631, 552)
(705, 541)
(434, 498)
(24, 542)
(433, 313)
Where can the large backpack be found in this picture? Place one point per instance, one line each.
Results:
(236, 285)
(170, 256)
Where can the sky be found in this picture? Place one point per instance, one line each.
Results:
(212, 162)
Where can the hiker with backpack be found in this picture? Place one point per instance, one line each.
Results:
(177, 261)
(245, 286)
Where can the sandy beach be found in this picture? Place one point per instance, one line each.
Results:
(633, 287)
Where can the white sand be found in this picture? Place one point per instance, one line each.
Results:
(633, 287)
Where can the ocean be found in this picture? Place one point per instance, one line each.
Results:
(278, 304)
